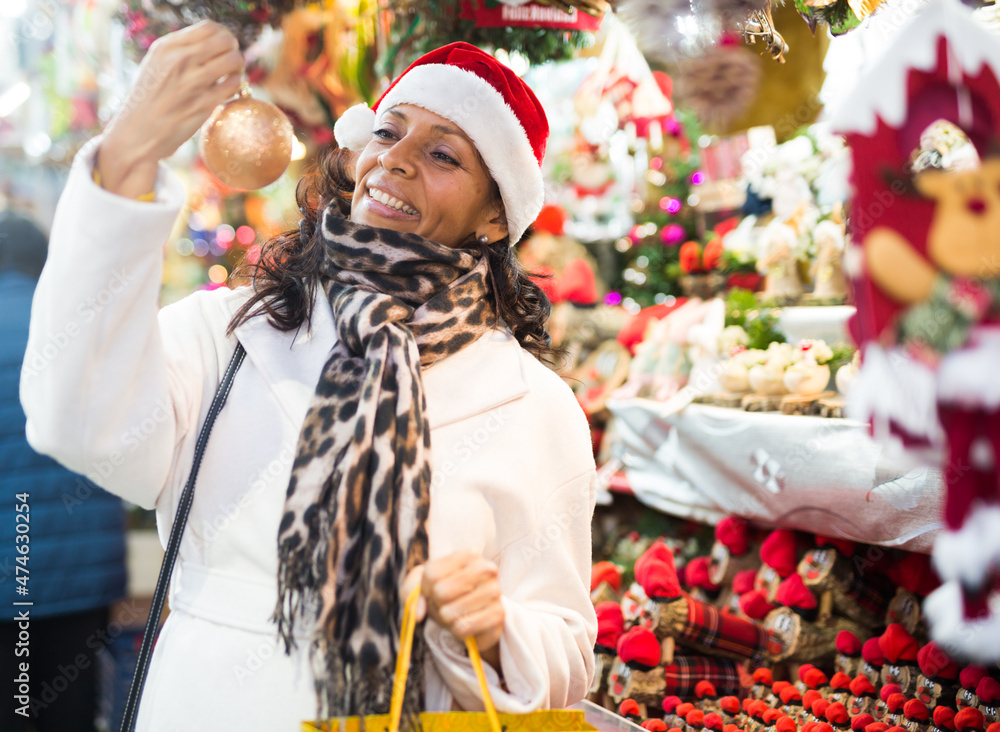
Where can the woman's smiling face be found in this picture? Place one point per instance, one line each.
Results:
(421, 174)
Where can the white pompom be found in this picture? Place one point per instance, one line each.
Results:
(354, 128)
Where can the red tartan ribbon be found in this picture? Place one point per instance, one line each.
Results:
(686, 671)
(708, 628)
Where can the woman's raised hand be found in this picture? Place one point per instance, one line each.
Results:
(181, 80)
(461, 593)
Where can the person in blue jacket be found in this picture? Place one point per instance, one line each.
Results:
(62, 539)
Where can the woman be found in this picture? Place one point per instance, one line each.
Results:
(390, 426)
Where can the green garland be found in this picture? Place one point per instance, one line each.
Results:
(147, 20)
(420, 26)
(945, 320)
(759, 322)
(839, 16)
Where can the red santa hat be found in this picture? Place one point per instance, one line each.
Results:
(914, 573)
(793, 593)
(877, 727)
(730, 704)
(895, 702)
(639, 647)
(771, 716)
(659, 580)
(822, 727)
(860, 721)
(888, 690)
(917, 711)
(696, 574)
(757, 709)
(785, 724)
(944, 717)
(763, 676)
(629, 708)
(489, 102)
(695, 718)
(657, 552)
(862, 686)
(670, 704)
(994, 727)
(733, 532)
(988, 691)
(743, 581)
(779, 552)
(896, 728)
(705, 689)
(683, 709)
(605, 572)
(610, 623)
(754, 604)
(935, 663)
(790, 695)
(897, 645)
(840, 682)
(836, 714)
(654, 725)
(810, 697)
(729, 728)
(970, 676)
(713, 721)
(819, 708)
(815, 679)
(969, 719)
(848, 644)
(872, 653)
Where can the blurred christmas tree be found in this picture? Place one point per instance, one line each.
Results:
(665, 216)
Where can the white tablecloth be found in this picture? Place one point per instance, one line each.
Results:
(821, 475)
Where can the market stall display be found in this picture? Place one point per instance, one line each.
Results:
(779, 320)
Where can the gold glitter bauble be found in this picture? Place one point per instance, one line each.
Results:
(247, 143)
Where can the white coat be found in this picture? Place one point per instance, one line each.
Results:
(116, 388)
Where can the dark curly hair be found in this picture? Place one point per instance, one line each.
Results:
(286, 273)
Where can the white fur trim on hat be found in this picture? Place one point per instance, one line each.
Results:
(977, 640)
(971, 553)
(481, 112)
(353, 130)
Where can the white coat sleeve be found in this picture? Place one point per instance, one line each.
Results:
(547, 645)
(101, 394)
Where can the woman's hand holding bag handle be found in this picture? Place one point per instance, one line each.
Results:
(554, 720)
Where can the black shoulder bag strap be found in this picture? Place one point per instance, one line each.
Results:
(173, 545)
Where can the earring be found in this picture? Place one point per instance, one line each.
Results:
(484, 240)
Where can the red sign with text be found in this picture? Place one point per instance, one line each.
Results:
(531, 15)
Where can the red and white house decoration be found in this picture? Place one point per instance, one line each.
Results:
(909, 228)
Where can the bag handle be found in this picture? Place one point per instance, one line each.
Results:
(403, 667)
(174, 543)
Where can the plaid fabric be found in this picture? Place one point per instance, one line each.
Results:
(686, 671)
(725, 634)
(872, 593)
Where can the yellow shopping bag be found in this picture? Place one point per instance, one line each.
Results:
(552, 720)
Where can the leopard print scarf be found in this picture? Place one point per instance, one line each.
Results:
(356, 509)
